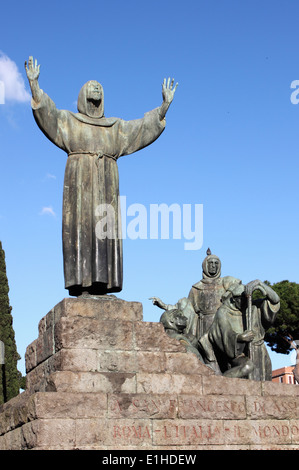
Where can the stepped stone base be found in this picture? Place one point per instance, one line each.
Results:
(100, 378)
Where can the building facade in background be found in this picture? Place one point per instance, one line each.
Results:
(284, 375)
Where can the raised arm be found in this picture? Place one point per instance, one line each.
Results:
(32, 71)
(46, 115)
(168, 91)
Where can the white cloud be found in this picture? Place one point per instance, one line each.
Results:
(14, 85)
(50, 176)
(47, 211)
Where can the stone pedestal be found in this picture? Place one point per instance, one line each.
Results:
(99, 377)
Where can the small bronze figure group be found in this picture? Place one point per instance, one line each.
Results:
(229, 326)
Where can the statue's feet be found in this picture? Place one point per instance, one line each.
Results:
(87, 295)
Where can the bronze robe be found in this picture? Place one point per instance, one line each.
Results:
(93, 146)
(229, 322)
(205, 297)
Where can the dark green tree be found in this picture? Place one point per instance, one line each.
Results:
(286, 326)
(10, 377)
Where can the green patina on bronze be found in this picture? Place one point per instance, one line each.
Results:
(93, 143)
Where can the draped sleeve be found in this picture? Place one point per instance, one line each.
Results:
(268, 311)
(50, 120)
(138, 133)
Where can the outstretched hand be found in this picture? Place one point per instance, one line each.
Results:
(155, 300)
(32, 70)
(168, 90)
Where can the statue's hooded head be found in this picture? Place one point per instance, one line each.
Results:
(91, 100)
(235, 296)
(211, 266)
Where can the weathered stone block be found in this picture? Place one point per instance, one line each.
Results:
(274, 388)
(46, 322)
(92, 333)
(219, 385)
(117, 361)
(58, 405)
(14, 440)
(115, 309)
(91, 382)
(165, 382)
(59, 433)
(45, 346)
(187, 363)
(91, 431)
(30, 356)
(81, 360)
(152, 337)
(151, 361)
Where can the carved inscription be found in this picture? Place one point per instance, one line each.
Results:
(273, 407)
(202, 420)
(204, 432)
(168, 433)
(276, 432)
(212, 407)
(131, 432)
(187, 432)
(190, 407)
(141, 406)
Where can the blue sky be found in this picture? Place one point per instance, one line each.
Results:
(230, 144)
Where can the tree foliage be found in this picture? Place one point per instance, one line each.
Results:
(9, 375)
(286, 324)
